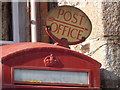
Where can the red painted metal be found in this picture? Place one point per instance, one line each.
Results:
(35, 56)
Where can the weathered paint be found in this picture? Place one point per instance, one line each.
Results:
(70, 23)
(34, 55)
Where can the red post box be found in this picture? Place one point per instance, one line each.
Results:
(46, 66)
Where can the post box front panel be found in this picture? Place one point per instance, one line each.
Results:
(53, 65)
(78, 68)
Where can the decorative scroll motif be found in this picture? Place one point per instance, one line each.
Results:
(51, 61)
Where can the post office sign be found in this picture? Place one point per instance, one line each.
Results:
(69, 23)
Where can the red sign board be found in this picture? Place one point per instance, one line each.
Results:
(68, 23)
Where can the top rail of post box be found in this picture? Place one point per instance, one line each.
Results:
(9, 51)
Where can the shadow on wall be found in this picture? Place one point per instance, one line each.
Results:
(107, 80)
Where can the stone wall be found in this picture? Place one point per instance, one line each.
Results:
(111, 20)
(104, 42)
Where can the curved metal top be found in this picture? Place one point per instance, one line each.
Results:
(9, 51)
